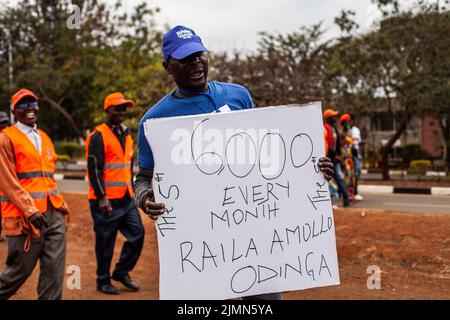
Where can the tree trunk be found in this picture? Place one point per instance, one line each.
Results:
(386, 149)
(385, 163)
(445, 130)
(57, 106)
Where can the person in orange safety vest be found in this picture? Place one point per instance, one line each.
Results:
(33, 210)
(109, 153)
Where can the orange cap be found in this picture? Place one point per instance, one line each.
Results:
(116, 99)
(330, 113)
(345, 117)
(19, 95)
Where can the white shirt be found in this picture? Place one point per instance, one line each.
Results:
(32, 134)
(356, 133)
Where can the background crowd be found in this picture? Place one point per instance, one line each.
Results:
(342, 146)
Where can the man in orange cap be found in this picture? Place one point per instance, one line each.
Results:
(329, 113)
(334, 152)
(109, 152)
(32, 207)
(327, 128)
(345, 118)
(330, 117)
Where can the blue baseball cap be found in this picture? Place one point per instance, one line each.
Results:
(181, 42)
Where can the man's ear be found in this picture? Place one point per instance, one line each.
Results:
(166, 66)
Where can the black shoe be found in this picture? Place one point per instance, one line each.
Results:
(346, 203)
(108, 289)
(126, 281)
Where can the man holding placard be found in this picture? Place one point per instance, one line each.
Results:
(185, 59)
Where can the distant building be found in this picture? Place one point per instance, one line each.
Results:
(380, 125)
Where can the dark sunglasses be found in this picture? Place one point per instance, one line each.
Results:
(119, 108)
(23, 106)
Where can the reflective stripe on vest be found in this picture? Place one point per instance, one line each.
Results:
(53, 192)
(34, 195)
(35, 172)
(117, 175)
(115, 184)
(117, 165)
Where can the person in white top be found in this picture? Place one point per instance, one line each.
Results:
(357, 159)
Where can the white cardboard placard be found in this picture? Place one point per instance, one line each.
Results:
(247, 210)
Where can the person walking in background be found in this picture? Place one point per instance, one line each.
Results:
(356, 152)
(325, 135)
(334, 152)
(328, 135)
(4, 123)
(109, 153)
(32, 207)
(348, 166)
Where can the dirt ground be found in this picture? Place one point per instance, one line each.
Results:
(412, 251)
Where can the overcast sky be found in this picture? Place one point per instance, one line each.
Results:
(234, 24)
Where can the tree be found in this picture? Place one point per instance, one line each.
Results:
(286, 68)
(406, 59)
(134, 65)
(72, 69)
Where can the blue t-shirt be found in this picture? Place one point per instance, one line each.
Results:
(219, 94)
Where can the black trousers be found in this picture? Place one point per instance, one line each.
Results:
(126, 219)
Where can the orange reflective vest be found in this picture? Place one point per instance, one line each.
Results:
(35, 172)
(117, 173)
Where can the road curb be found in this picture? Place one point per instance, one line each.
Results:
(440, 191)
(412, 190)
(391, 189)
(362, 188)
(74, 177)
(61, 176)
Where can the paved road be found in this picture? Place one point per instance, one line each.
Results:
(405, 202)
(73, 186)
(394, 202)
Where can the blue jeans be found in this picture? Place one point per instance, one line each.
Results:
(127, 220)
(339, 178)
(358, 168)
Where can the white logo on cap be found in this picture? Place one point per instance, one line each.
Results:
(184, 34)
